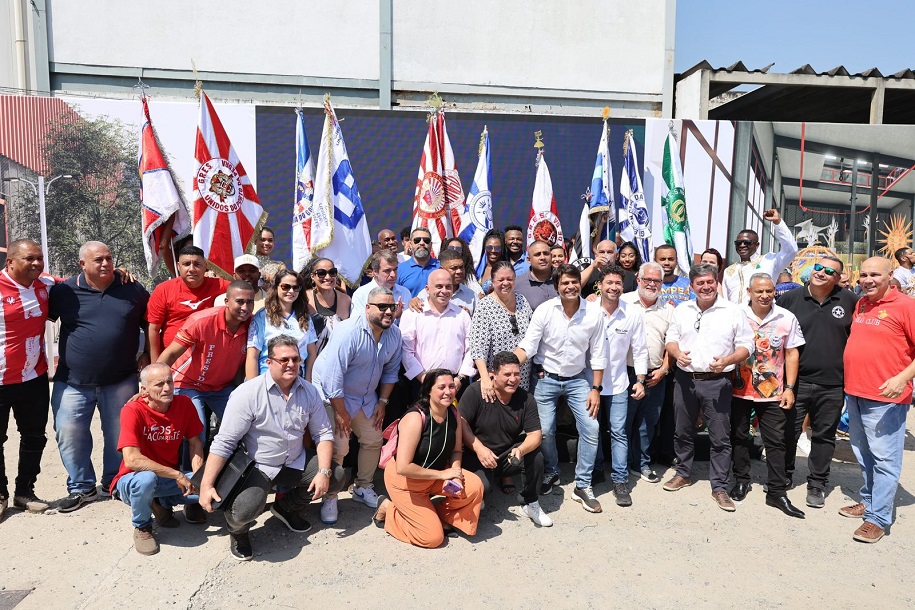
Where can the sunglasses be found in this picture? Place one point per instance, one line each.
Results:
(323, 273)
(383, 307)
(496, 249)
(514, 324)
(290, 360)
(422, 240)
(290, 287)
(456, 248)
(698, 323)
(743, 242)
(826, 270)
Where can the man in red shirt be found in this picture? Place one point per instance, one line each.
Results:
(174, 300)
(879, 367)
(149, 481)
(209, 351)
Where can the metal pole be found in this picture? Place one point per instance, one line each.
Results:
(872, 225)
(43, 221)
(851, 218)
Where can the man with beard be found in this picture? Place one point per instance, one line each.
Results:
(737, 276)
(675, 289)
(413, 273)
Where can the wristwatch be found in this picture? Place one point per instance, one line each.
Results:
(788, 386)
(384, 400)
(325, 471)
(599, 388)
(640, 380)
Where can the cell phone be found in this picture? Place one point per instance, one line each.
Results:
(452, 488)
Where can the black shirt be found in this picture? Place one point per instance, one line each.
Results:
(589, 284)
(826, 328)
(436, 443)
(499, 426)
(535, 292)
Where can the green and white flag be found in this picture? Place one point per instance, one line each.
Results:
(673, 203)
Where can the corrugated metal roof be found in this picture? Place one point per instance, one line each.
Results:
(25, 122)
(906, 73)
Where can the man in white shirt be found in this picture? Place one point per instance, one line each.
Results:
(904, 273)
(384, 266)
(561, 332)
(624, 332)
(708, 338)
(737, 276)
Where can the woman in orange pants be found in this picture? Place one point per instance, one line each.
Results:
(428, 462)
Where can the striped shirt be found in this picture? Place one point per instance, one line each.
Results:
(22, 323)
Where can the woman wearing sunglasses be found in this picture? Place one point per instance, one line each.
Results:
(326, 304)
(493, 252)
(285, 312)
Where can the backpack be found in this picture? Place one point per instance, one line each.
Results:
(390, 435)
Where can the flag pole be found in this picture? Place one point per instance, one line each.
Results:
(605, 113)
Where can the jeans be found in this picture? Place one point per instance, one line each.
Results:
(644, 415)
(29, 403)
(137, 490)
(824, 405)
(877, 432)
(576, 391)
(73, 407)
(216, 401)
(616, 411)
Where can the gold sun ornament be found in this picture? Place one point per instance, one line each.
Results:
(898, 234)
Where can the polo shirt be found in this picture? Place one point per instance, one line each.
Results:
(534, 291)
(826, 327)
(171, 302)
(881, 345)
(499, 426)
(99, 330)
(213, 355)
(414, 276)
(522, 265)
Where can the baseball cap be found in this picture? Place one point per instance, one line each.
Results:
(247, 259)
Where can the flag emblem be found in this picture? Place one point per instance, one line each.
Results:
(220, 185)
(544, 226)
(481, 210)
(432, 196)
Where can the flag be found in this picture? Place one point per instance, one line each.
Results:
(543, 223)
(164, 212)
(476, 218)
(439, 196)
(227, 215)
(339, 230)
(633, 213)
(582, 254)
(304, 196)
(602, 190)
(673, 203)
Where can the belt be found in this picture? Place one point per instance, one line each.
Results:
(706, 376)
(559, 377)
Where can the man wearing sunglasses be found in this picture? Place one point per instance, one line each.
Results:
(413, 273)
(824, 310)
(737, 276)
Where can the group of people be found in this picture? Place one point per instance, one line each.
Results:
(467, 376)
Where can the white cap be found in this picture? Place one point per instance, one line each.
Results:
(247, 259)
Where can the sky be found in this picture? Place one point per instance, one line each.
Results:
(858, 35)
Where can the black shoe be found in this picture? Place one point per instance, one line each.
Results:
(240, 546)
(194, 513)
(29, 502)
(291, 519)
(816, 498)
(549, 480)
(740, 490)
(783, 504)
(621, 492)
(77, 499)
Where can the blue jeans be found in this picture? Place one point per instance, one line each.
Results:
(73, 407)
(576, 391)
(877, 432)
(216, 401)
(616, 411)
(644, 415)
(137, 490)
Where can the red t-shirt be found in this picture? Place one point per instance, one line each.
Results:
(214, 354)
(157, 435)
(172, 302)
(22, 319)
(881, 345)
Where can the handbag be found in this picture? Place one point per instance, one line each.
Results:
(390, 435)
(231, 478)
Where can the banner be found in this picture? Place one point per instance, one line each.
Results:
(673, 204)
(633, 213)
(304, 196)
(439, 196)
(476, 218)
(543, 222)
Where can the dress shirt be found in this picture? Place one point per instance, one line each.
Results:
(432, 340)
(656, 319)
(414, 276)
(352, 364)
(737, 276)
(361, 297)
(464, 296)
(624, 333)
(723, 328)
(271, 426)
(560, 344)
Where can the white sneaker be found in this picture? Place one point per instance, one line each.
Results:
(536, 514)
(366, 495)
(803, 443)
(329, 510)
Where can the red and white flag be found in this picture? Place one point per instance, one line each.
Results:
(543, 223)
(227, 215)
(439, 197)
(164, 213)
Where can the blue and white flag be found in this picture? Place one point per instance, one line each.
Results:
(476, 218)
(633, 213)
(339, 230)
(304, 196)
(602, 191)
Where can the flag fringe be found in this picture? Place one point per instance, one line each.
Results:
(329, 115)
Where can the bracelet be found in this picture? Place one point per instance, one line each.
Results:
(325, 471)
(384, 400)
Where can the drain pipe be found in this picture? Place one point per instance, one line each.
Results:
(21, 73)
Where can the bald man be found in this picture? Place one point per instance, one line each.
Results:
(388, 239)
(879, 367)
(604, 255)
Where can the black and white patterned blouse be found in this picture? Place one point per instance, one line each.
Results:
(491, 331)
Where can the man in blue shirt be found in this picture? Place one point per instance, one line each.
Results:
(413, 273)
(675, 289)
(363, 351)
(514, 243)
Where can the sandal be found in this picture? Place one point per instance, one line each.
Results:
(449, 530)
(381, 500)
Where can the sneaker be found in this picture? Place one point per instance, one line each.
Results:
(621, 492)
(104, 491)
(240, 546)
(724, 501)
(649, 475)
(292, 519)
(165, 517)
(677, 483)
(585, 496)
(855, 511)
(77, 499)
(868, 532)
(30, 503)
(366, 495)
(803, 444)
(194, 513)
(549, 481)
(329, 510)
(533, 512)
(144, 540)
(816, 498)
